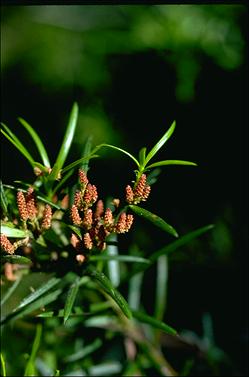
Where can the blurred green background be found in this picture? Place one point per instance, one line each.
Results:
(133, 70)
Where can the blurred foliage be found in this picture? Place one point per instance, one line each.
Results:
(73, 43)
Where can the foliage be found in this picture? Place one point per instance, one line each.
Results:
(60, 249)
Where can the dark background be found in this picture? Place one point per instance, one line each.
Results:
(133, 70)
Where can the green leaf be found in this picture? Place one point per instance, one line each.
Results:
(30, 369)
(107, 286)
(57, 373)
(120, 258)
(3, 367)
(87, 350)
(160, 143)
(181, 242)
(156, 220)
(67, 141)
(75, 229)
(17, 259)
(120, 150)
(108, 368)
(38, 293)
(45, 200)
(72, 293)
(4, 201)
(113, 265)
(10, 291)
(145, 318)
(78, 162)
(87, 152)
(19, 146)
(36, 305)
(161, 287)
(142, 154)
(37, 142)
(171, 162)
(13, 232)
(135, 290)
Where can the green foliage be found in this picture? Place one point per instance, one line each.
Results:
(47, 231)
(30, 369)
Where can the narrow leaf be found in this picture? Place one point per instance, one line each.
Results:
(75, 229)
(87, 350)
(16, 259)
(120, 150)
(106, 285)
(142, 154)
(38, 293)
(21, 148)
(3, 367)
(161, 287)
(13, 232)
(78, 162)
(181, 242)
(30, 369)
(45, 200)
(70, 300)
(113, 265)
(86, 152)
(145, 318)
(120, 258)
(171, 162)
(36, 305)
(4, 201)
(160, 143)
(135, 290)
(37, 142)
(156, 220)
(67, 141)
(108, 368)
(10, 291)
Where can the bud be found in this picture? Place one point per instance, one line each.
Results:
(121, 224)
(77, 199)
(99, 209)
(116, 202)
(88, 241)
(31, 203)
(140, 186)
(75, 242)
(83, 179)
(108, 218)
(146, 192)
(22, 207)
(37, 171)
(80, 258)
(90, 195)
(6, 245)
(129, 222)
(129, 194)
(47, 217)
(88, 218)
(75, 215)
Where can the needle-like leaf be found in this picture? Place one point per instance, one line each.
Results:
(156, 220)
(171, 162)
(67, 142)
(37, 141)
(160, 143)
